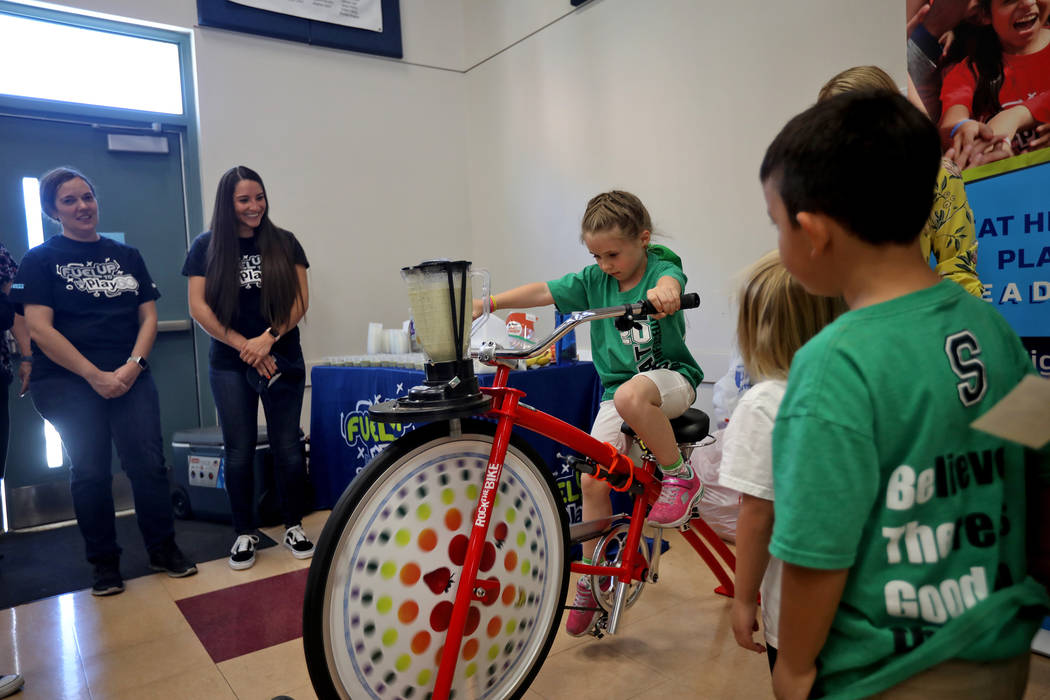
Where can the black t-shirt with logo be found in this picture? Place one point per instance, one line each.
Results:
(94, 290)
(248, 320)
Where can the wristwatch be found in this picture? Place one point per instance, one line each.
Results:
(273, 333)
(140, 361)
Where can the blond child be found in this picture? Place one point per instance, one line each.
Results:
(776, 317)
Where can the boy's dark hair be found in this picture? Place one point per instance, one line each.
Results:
(868, 159)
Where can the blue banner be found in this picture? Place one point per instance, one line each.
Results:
(1011, 207)
(344, 439)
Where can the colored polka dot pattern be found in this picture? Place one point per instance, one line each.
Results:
(400, 562)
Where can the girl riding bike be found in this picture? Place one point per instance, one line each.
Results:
(648, 372)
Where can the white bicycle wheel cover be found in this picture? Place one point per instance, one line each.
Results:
(385, 589)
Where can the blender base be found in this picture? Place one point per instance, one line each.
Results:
(450, 391)
(408, 411)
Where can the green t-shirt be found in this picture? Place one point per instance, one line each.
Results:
(876, 469)
(619, 356)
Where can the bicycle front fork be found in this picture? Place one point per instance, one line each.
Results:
(470, 589)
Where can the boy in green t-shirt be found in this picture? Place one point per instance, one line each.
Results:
(902, 528)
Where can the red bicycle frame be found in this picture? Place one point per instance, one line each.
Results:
(509, 413)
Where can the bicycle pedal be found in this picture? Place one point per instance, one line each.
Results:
(600, 625)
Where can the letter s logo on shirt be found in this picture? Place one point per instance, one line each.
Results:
(963, 352)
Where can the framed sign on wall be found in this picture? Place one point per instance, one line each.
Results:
(367, 26)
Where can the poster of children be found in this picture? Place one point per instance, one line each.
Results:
(982, 71)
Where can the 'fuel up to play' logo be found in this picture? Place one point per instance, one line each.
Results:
(369, 437)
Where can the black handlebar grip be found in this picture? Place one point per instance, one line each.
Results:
(688, 301)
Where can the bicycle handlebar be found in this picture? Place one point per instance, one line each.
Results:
(690, 300)
(489, 353)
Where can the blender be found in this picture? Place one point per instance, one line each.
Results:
(440, 294)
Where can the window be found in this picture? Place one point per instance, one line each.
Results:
(31, 197)
(89, 66)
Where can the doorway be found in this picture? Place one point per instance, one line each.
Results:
(145, 168)
(140, 203)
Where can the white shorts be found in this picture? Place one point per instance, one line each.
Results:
(676, 395)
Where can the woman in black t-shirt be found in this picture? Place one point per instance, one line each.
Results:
(90, 306)
(248, 291)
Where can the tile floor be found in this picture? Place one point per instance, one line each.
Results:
(675, 643)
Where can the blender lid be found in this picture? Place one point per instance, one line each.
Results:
(438, 262)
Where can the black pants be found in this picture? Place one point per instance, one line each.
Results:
(90, 426)
(238, 406)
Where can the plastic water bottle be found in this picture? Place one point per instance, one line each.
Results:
(566, 347)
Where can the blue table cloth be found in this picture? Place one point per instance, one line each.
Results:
(343, 439)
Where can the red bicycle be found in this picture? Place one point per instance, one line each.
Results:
(442, 571)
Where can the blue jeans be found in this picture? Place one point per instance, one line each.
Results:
(238, 406)
(89, 425)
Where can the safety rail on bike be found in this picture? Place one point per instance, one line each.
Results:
(443, 569)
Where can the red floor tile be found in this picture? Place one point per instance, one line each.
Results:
(249, 617)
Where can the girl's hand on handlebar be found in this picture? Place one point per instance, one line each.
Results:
(477, 308)
(665, 298)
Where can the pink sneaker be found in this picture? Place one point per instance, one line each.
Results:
(676, 501)
(580, 622)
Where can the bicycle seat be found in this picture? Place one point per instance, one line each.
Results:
(692, 426)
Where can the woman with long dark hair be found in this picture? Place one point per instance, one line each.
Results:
(248, 291)
(90, 305)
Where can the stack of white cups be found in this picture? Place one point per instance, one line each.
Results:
(396, 341)
(387, 340)
(375, 343)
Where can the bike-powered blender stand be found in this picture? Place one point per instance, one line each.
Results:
(451, 391)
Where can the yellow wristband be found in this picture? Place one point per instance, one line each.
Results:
(492, 303)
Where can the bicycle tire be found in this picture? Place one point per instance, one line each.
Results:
(384, 571)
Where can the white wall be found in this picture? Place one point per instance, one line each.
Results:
(491, 26)
(377, 163)
(362, 156)
(674, 100)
